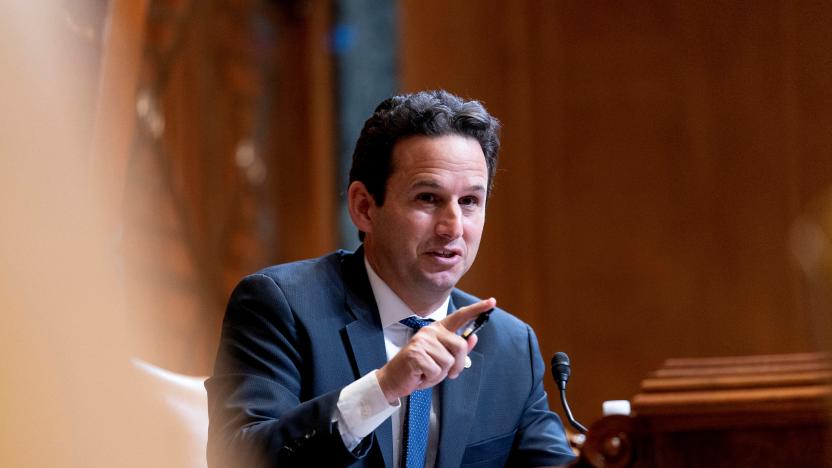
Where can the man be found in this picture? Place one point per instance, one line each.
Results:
(323, 363)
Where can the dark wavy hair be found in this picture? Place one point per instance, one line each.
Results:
(428, 113)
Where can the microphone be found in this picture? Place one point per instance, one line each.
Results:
(561, 372)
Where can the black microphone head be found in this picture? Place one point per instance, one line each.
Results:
(561, 369)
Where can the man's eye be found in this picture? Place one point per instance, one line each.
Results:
(426, 197)
(469, 201)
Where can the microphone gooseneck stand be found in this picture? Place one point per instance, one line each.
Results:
(561, 371)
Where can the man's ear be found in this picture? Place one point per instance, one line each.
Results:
(360, 204)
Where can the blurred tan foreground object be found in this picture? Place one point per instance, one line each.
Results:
(181, 402)
(69, 395)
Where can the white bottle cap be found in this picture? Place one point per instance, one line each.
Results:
(611, 407)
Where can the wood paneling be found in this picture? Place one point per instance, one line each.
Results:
(232, 163)
(654, 156)
(302, 136)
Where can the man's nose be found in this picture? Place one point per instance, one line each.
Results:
(449, 224)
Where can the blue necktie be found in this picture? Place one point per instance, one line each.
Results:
(415, 432)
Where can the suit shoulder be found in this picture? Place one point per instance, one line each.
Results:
(304, 274)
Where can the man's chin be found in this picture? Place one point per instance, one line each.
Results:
(442, 282)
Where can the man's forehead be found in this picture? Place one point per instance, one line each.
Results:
(417, 155)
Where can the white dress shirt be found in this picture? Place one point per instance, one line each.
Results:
(362, 406)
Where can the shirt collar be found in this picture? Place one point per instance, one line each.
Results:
(391, 309)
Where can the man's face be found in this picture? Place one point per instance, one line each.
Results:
(426, 234)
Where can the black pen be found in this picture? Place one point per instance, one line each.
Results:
(473, 326)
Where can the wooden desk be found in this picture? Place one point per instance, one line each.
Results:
(742, 411)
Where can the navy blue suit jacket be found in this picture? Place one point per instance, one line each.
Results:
(294, 335)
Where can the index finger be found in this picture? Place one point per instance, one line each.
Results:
(465, 314)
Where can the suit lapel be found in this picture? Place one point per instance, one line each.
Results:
(457, 407)
(365, 337)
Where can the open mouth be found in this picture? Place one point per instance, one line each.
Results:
(444, 253)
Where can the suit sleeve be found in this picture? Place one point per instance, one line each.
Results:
(541, 438)
(256, 416)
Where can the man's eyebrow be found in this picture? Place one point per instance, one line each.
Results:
(428, 183)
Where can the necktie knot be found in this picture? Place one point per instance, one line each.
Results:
(416, 323)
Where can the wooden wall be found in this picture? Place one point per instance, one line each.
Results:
(654, 155)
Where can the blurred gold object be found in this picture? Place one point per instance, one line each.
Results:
(811, 247)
